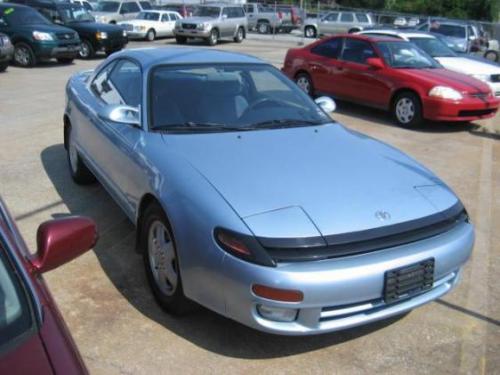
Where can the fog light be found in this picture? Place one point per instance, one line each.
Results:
(277, 314)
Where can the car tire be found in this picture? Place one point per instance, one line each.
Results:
(310, 32)
(407, 110)
(86, 50)
(151, 35)
(181, 39)
(3, 66)
(161, 262)
(240, 35)
(263, 28)
(354, 30)
(24, 55)
(492, 55)
(65, 60)
(304, 81)
(213, 39)
(78, 170)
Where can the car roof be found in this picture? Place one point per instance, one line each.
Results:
(407, 33)
(214, 4)
(370, 38)
(149, 57)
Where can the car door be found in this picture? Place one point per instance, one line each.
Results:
(110, 145)
(327, 24)
(325, 67)
(346, 22)
(361, 82)
(226, 22)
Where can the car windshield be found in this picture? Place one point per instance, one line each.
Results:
(455, 31)
(15, 314)
(107, 6)
(145, 5)
(228, 97)
(212, 12)
(433, 47)
(23, 16)
(149, 16)
(406, 55)
(75, 14)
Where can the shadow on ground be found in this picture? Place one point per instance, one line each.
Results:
(119, 260)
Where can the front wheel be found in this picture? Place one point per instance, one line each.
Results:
(310, 32)
(213, 38)
(151, 35)
(240, 35)
(407, 110)
(79, 171)
(24, 55)
(161, 261)
(86, 50)
(263, 28)
(492, 55)
(304, 81)
(181, 39)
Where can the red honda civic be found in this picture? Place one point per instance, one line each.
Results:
(390, 74)
(33, 336)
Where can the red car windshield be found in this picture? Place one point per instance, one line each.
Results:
(405, 55)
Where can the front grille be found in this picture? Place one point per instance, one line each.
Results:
(480, 95)
(128, 26)
(65, 36)
(189, 26)
(476, 112)
(495, 78)
(380, 241)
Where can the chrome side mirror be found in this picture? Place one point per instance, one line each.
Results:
(124, 114)
(326, 104)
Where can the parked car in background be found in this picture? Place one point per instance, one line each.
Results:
(34, 339)
(437, 49)
(185, 10)
(336, 23)
(463, 36)
(390, 74)
(6, 51)
(35, 38)
(301, 225)
(151, 24)
(115, 11)
(94, 37)
(279, 18)
(213, 22)
(84, 4)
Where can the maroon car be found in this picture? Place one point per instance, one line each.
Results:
(33, 336)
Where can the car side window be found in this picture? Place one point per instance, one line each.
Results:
(126, 79)
(330, 48)
(240, 13)
(165, 17)
(172, 16)
(332, 17)
(225, 12)
(130, 7)
(102, 87)
(51, 14)
(346, 17)
(362, 17)
(357, 51)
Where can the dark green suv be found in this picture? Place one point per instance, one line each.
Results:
(34, 38)
(94, 36)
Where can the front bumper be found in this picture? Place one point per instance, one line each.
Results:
(137, 34)
(55, 50)
(343, 292)
(192, 33)
(467, 109)
(111, 44)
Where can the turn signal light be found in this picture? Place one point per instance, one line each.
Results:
(233, 244)
(283, 295)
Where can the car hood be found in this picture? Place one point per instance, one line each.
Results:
(468, 66)
(317, 180)
(444, 77)
(138, 22)
(198, 20)
(52, 28)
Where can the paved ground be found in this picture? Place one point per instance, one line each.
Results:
(117, 325)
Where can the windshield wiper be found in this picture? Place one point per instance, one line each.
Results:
(284, 123)
(197, 126)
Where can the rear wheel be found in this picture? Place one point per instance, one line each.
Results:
(407, 110)
(151, 35)
(213, 38)
(24, 55)
(86, 50)
(263, 28)
(310, 32)
(181, 39)
(3, 66)
(304, 81)
(79, 171)
(240, 35)
(161, 261)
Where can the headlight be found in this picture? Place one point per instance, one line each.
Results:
(140, 28)
(482, 77)
(38, 35)
(203, 26)
(444, 92)
(124, 33)
(100, 35)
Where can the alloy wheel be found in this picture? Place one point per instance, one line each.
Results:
(22, 56)
(84, 50)
(304, 84)
(162, 259)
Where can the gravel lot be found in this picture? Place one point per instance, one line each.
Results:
(111, 313)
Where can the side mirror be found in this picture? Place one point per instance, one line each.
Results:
(62, 240)
(123, 114)
(326, 104)
(375, 62)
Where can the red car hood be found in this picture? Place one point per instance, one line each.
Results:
(458, 81)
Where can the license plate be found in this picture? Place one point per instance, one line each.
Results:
(405, 282)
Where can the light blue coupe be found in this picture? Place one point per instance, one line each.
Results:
(251, 201)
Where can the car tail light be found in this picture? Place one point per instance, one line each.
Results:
(242, 246)
(282, 295)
